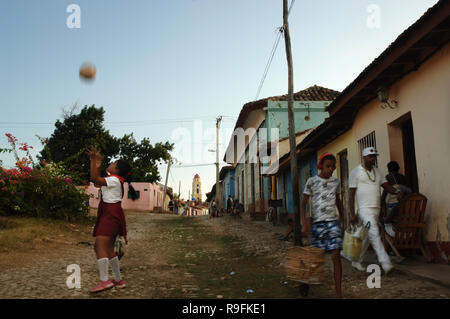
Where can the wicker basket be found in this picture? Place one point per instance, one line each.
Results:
(305, 264)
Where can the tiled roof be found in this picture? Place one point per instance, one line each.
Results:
(404, 42)
(411, 48)
(313, 93)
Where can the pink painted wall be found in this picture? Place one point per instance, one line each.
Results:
(150, 197)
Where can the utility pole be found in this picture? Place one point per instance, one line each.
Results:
(165, 184)
(292, 142)
(218, 201)
(179, 190)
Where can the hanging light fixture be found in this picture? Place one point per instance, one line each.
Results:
(307, 118)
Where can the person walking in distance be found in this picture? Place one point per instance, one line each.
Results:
(364, 183)
(229, 205)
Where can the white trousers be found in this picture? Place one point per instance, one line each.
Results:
(369, 214)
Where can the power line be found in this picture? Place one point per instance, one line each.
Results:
(290, 7)
(272, 54)
(193, 165)
(173, 180)
(212, 118)
(269, 62)
(42, 125)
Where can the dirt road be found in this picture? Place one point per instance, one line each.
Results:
(189, 257)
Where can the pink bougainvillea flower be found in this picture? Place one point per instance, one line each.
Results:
(4, 188)
(28, 169)
(25, 147)
(67, 180)
(11, 138)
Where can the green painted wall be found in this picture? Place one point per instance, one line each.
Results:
(277, 116)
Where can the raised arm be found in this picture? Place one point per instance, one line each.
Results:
(96, 163)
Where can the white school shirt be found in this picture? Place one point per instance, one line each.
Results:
(368, 193)
(112, 193)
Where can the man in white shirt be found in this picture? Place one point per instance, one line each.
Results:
(364, 182)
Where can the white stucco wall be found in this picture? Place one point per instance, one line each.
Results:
(426, 94)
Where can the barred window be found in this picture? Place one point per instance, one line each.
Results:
(367, 141)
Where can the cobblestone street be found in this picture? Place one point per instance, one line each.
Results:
(192, 257)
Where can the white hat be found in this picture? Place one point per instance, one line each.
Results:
(369, 151)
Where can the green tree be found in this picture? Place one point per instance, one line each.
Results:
(68, 142)
(144, 157)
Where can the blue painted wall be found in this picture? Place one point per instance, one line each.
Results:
(266, 182)
(280, 183)
(290, 201)
(308, 168)
(232, 183)
(228, 185)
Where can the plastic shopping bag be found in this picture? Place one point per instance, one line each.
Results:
(353, 242)
(362, 232)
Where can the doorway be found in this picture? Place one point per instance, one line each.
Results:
(409, 155)
(402, 149)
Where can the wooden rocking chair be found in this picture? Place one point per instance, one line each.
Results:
(409, 225)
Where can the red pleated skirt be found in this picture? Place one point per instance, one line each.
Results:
(110, 220)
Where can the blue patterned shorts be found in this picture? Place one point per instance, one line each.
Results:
(326, 235)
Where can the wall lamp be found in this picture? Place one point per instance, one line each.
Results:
(383, 96)
(307, 117)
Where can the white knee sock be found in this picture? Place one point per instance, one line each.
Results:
(103, 268)
(115, 266)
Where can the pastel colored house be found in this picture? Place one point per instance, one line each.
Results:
(412, 128)
(195, 210)
(226, 179)
(265, 122)
(280, 176)
(150, 195)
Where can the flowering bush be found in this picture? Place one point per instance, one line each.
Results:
(44, 190)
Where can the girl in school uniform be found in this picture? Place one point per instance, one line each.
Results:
(110, 217)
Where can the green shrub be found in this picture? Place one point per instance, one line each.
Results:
(45, 191)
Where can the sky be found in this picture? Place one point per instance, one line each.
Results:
(167, 68)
